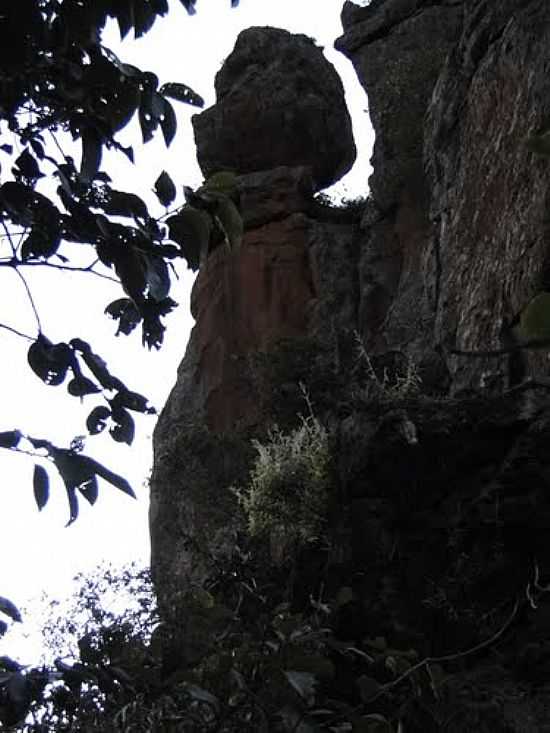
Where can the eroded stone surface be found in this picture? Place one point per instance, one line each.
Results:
(489, 194)
(279, 103)
(398, 48)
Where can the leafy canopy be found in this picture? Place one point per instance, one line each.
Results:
(59, 81)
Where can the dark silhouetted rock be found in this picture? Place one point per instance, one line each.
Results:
(279, 103)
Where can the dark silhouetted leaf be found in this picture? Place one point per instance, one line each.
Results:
(3, 628)
(123, 429)
(40, 243)
(96, 365)
(27, 166)
(7, 664)
(189, 5)
(120, 203)
(73, 505)
(38, 148)
(91, 154)
(157, 276)
(50, 361)
(147, 120)
(41, 486)
(10, 609)
(113, 478)
(10, 438)
(133, 401)
(168, 123)
(80, 386)
(89, 490)
(191, 229)
(125, 312)
(165, 189)
(181, 93)
(97, 419)
(7, 148)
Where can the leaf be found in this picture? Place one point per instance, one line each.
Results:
(124, 310)
(165, 189)
(202, 695)
(189, 5)
(73, 505)
(97, 419)
(303, 683)
(41, 486)
(40, 243)
(534, 322)
(157, 277)
(50, 361)
(168, 123)
(27, 166)
(191, 229)
(96, 365)
(120, 203)
(181, 93)
(123, 430)
(10, 438)
(125, 17)
(113, 478)
(222, 182)
(89, 490)
(133, 401)
(147, 120)
(91, 154)
(10, 610)
(80, 386)
(229, 219)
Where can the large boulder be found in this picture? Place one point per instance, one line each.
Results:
(279, 102)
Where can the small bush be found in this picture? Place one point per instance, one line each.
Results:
(287, 495)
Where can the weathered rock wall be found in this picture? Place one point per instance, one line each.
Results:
(489, 194)
(398, 48)
(451, 244)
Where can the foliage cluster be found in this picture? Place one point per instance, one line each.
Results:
(287, 496)
(62, 89)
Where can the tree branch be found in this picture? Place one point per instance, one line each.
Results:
(16, 332)
(31, 299)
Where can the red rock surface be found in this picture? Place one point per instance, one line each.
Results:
(245, 303)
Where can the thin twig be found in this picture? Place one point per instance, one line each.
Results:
(447, 657)
(10, 240)
(29, 294)
(89, 269)
(16, 332)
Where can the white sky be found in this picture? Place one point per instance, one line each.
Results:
(39, 553)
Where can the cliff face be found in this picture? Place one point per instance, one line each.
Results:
(280, 107)
(433, 491)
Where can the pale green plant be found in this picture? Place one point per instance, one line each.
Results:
(286, 498)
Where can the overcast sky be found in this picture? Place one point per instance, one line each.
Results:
(39, 553)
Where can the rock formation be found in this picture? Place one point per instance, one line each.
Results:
(278, 103)
(281, 124)
(440, 499)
